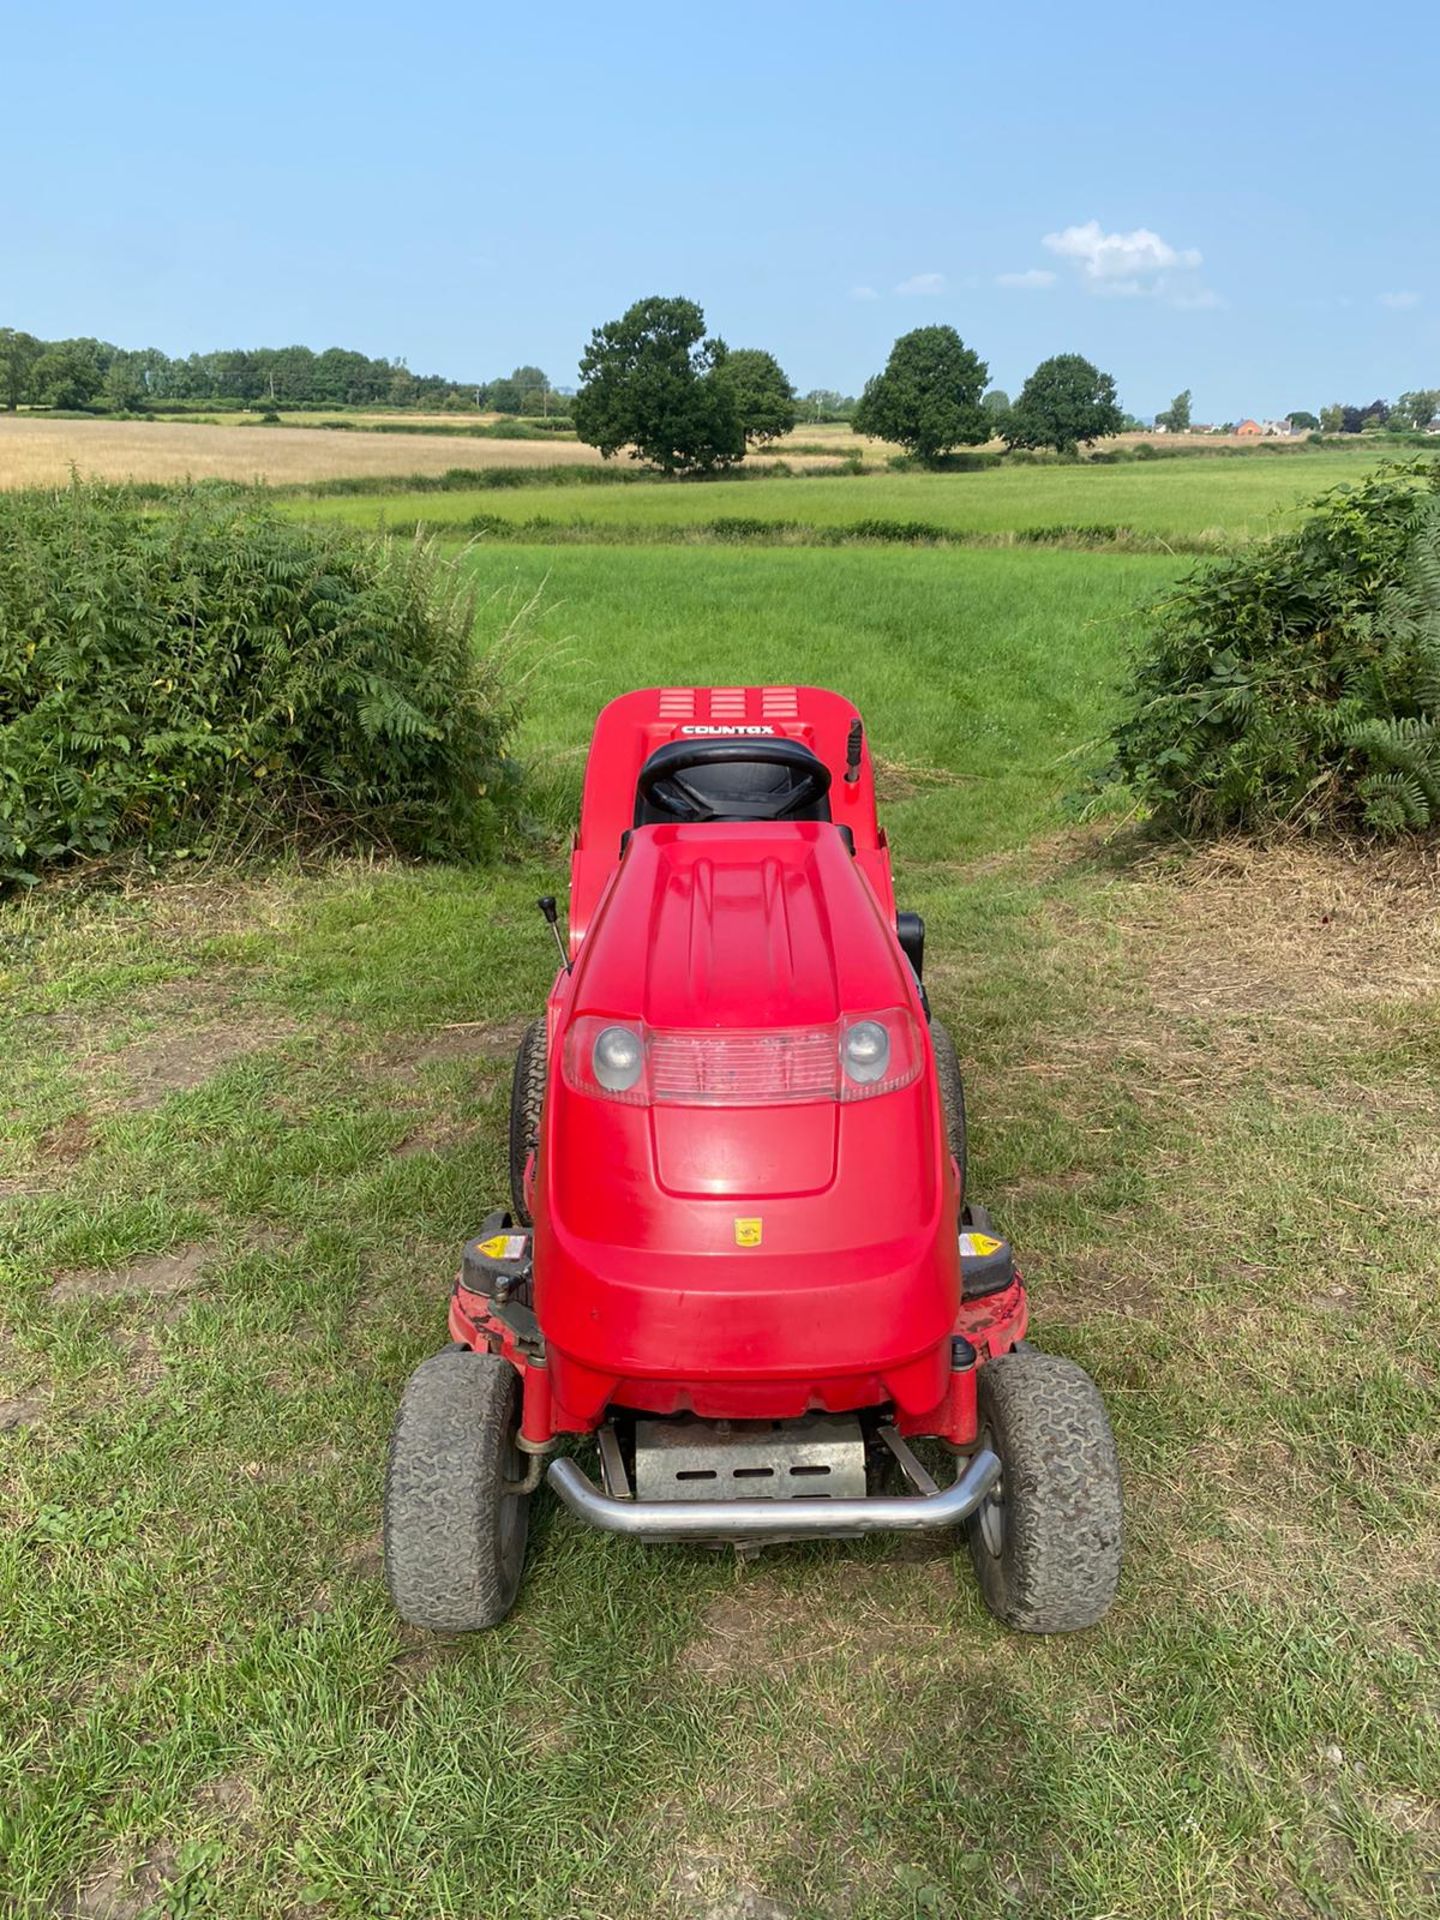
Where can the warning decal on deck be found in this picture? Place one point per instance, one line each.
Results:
(503, 1246)
(748, 1232)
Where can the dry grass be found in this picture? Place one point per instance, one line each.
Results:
(336, 417)
(1243, 963)
(40, 453)
(35, 453)
(1267, 929)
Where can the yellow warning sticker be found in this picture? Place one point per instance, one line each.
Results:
(503, 1246)
(748, 1233)
(977, 1245)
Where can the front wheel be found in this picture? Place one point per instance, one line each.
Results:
(527, 1098)
(454, 1537)
(1046, 1542)
(952, 1095)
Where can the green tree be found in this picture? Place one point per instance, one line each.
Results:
(928, 397)
(402, 391)
(503, 396)
(997, 409)
(1331, 418)
(1419, 408)
(764, 398)
(123, 388)
(823, 403)
(1176, 417)
(67, 374)
(18, 354)
(1065, 403)
(1303, 421)
(650, 380)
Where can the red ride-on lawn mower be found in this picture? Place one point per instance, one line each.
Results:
(739, 1253)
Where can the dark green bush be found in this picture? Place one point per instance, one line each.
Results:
(1298, 683)
(207, 673)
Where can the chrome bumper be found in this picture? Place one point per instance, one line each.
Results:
(774, 1519)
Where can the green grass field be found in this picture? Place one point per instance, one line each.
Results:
(983, 672)
(249, 1120)
(1236, 498)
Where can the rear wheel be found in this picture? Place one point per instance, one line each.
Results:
(454, 1538)
(952, 1094)
(1046, 1542)
(527, 1096)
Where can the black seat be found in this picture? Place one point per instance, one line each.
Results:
(732, 780)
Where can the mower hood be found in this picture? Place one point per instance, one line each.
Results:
(742, 927)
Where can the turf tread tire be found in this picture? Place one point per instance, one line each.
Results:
(1060, 1559)
(952, 1094)
(449, 1564)
(527, 1097)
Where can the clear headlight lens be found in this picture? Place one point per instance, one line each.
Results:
(853, 1058)
(865, 1051)
(618, 1059)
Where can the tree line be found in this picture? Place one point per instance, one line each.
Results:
(83, 374)
(688, 403)
(1413, 412)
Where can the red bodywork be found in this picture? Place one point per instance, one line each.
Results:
(754, 1261)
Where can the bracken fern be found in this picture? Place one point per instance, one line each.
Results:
(202, 672)
(1403, 750)
(1296, 684)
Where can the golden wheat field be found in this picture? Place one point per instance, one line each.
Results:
(39, 452)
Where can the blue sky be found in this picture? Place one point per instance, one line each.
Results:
(1238, 199)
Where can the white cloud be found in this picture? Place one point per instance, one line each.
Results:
(1133, 266)
(1032, 277)
(922, 283)
(863, 293)
(1400, 302)
(1119, 257)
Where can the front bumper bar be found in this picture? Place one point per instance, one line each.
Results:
(768, 1519)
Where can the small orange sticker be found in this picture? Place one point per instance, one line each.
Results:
(748, 1232)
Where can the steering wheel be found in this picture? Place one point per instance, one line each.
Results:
(663, 785)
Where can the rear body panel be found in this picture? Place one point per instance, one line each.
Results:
(743, 1261)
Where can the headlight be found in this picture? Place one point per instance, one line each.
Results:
(865, 1051)
(617, 1059)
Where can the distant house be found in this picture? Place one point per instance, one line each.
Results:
(1250, 429)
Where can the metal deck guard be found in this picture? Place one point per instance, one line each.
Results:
(763, 1519)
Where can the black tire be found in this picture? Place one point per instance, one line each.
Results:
(527, 1096)
(1047, 1543)
(454, 1539)
(952, 1094)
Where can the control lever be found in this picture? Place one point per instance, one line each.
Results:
(550, 914)
(852, 752)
